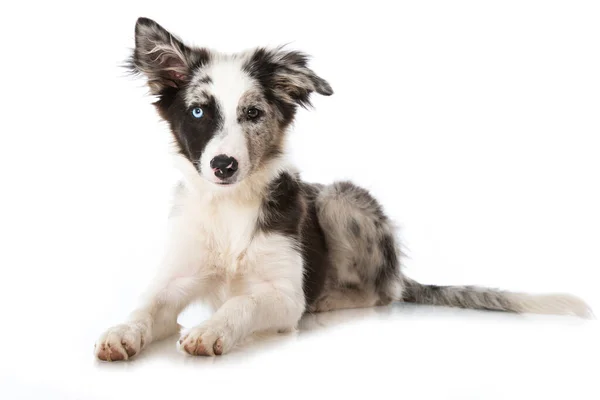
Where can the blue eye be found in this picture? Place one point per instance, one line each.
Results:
(197, 112)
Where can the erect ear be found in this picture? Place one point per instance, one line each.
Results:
(162, 57)
(286, 73)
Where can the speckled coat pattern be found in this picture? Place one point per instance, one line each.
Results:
(249, 236)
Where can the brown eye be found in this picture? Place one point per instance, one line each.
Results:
(253, 112)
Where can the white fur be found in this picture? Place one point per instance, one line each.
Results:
(253, 280)
(228, 84)
(556, 304)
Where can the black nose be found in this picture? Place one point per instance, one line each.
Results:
(224, 166)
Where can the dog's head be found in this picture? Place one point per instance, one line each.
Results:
(228, 113)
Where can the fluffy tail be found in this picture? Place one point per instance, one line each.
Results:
(478, 298)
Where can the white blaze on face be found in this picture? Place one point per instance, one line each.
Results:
(228, 84)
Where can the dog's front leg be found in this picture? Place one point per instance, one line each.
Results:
(267, 296)
(271, 307)
(178, 282)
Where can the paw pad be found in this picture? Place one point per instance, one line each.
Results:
(108, 353)
(218, 347)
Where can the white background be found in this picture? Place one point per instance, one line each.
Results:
(476, 124)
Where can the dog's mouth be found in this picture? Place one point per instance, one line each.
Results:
(225, 182)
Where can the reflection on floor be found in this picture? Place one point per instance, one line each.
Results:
(320, 323)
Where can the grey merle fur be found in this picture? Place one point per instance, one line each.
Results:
(349, 246)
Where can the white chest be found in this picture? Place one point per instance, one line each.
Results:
(222, 230)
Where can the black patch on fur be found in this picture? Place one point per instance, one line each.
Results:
(314, 248)
(191, 134)
(282, 209)
(289, 209)
(389, 269)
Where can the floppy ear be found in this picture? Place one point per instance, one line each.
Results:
(286, 73)
(294, 79)
(162, 57)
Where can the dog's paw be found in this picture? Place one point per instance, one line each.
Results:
(120, 342)
(208, 339)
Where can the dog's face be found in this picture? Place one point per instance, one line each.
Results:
(228, 113)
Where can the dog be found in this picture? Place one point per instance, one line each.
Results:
(248, 236)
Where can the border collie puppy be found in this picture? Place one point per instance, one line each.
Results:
(249, 236)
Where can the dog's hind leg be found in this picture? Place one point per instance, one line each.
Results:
(345, 297)
(362, 250)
